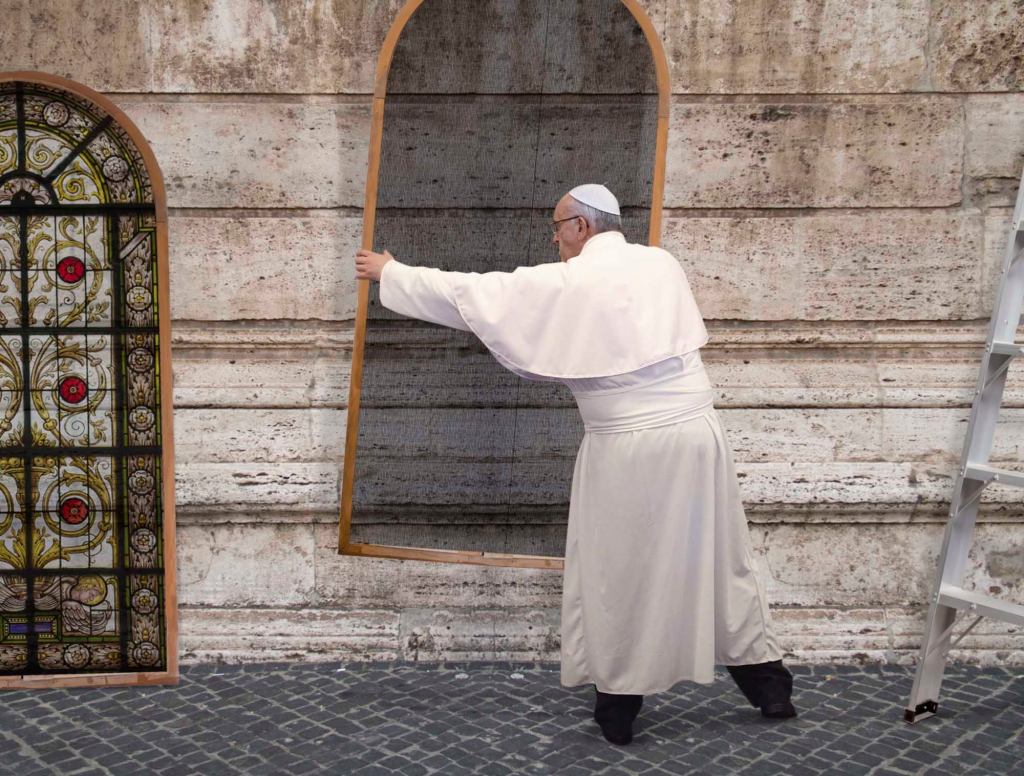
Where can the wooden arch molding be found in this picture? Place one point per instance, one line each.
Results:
(384, 60)
(134, 674)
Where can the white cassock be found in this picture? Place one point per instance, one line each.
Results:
(660, 582)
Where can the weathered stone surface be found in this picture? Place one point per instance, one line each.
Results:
(240, 487)
(222, 489)
(429, 366)
(937, 435)
(889, 264)
(923, 435)
(281, 46)
(466, 531)
(461, 151)
(60, 37)
(500, 48)
(802, 565)
(466, 434)
(845, 432)
(886, 265)
(356, 582)
(879, 265)
(908, 378)
(997, 236)
(800, 46)
(778, 365)
(490, 634)
(235, 46)
(441, 483)
(236, 152)
(836, 565)
(851, 152)
(248, 635)
(812, 635)
(504, 151)
(889, 635)
(755, 435)
(259, 435)
(444, 49)
(991, 643)
(843, 483)
(295, 375)
(815, 635)
(247, 565)
(254, 268)
(995, 147)
(846, 377)
(976, 46)
(284, 47)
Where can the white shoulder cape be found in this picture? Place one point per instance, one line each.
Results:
(614, 308)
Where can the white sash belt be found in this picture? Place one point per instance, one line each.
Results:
(671, 400)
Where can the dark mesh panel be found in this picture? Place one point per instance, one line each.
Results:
(495, 109)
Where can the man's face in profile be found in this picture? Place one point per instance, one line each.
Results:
(569, 231)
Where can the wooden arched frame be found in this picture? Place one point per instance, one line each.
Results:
(345, 546)
(171, 674)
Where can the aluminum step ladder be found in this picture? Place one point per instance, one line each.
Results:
(973, 476)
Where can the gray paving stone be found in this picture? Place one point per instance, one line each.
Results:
(417, 720)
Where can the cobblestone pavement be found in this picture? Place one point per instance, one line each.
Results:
(499, 718)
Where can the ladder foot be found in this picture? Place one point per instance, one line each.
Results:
(921, 711)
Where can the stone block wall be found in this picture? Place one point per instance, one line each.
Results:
(839, 184)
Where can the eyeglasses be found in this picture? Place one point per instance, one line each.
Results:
(555, 224)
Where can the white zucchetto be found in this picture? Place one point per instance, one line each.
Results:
(597, 196)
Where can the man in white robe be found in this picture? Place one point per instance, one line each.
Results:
(659, 582)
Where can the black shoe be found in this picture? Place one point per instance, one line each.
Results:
(617, 734)
(615, 715)
(782, 710)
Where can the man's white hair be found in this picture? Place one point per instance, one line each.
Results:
(599, 220)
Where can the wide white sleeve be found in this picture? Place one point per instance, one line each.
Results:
(422, 292)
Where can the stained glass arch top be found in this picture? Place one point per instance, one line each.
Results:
(86, 487)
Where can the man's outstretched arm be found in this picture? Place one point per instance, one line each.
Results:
(418, 292)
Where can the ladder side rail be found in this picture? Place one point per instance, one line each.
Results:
(1018, 210)
(955, 547)
(984, 418)
(931, 659)
(1006, 316)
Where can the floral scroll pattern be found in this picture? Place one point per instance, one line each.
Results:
(81, 556)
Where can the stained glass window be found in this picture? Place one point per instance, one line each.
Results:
(81, 549)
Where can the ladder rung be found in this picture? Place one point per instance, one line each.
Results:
(1008, 348)
(989, 474)
(982, 605)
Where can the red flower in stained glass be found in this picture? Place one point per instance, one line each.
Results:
(73, 510)
(73, 389)
(71, 269)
